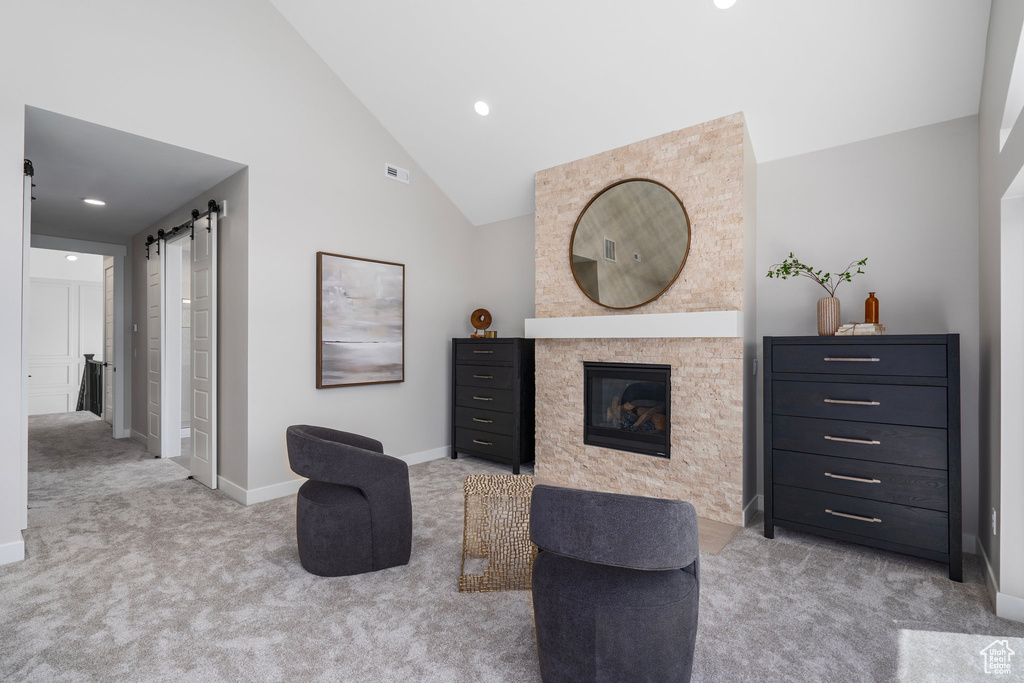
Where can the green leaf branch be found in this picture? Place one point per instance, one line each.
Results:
(792, 267)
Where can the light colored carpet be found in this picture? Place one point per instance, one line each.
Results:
(134, 573)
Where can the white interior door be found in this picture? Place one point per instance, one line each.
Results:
(171, 347)
(204, 353)
(108, 340)
(65, 323)
(53, 362)
(26, 251)
(154, 323)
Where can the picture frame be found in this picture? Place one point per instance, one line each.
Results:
(360, 321)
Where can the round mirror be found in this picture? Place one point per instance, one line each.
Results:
(630, 243)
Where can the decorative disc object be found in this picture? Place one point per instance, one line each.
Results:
(481, 320)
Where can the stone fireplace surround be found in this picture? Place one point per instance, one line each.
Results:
(711, 168)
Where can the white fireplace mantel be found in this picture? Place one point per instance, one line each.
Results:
(642, 325)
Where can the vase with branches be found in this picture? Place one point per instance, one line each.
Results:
(828, 307)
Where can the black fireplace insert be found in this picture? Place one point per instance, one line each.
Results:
(627, 407)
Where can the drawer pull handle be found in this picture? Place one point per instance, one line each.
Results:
(479, 351)
(488, 443)
(483, 376)
(860, 479)
(487, 398)
(853, 360)
(863, 441)
(874, 520)
(852, 403)
(480, 419)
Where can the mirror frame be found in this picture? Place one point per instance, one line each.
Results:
(686, 254)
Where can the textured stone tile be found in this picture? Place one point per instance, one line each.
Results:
(703, 165)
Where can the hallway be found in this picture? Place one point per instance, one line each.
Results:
(73, 459)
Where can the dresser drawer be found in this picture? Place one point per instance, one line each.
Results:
(892, 404)
(485, 352)
(488, 399)
(908, 360)
(915, 527)
(484, 420)
(472, 441)
(915, 486)
(897, 444)
(492, 376)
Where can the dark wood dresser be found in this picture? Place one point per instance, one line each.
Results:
(862, 441)
(493, 399)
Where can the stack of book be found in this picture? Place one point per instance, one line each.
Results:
(858, 329)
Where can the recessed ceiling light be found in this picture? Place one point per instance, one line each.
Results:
(724, 4)
(94, 202)
(482, 108)
(71, 257)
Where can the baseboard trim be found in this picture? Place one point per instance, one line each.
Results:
(139, 438)
(12, 552)
(265, 493)
(756, 504)
(1005, 606)
(287, 488)
(231, 490)
(990, 576)
(260, 495)
(427, 456)
(1009, 607)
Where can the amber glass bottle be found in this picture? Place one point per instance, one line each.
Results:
(871, 309)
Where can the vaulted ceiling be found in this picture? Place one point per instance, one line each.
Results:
(569, 78)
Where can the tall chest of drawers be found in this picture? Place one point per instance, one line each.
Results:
(862, 441)
(493, 399)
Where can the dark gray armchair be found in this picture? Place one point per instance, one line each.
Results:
(354, 515)
(615, 587)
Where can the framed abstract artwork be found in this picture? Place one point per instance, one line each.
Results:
(360, 321)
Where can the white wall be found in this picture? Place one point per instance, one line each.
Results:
(1002, 400)
(53, 264)
(232, 79)
(908, 202)
(503, 274)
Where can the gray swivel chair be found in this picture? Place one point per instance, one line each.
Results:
(354, 515)
(615, 586)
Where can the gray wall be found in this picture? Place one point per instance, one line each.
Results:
(908, 202)
(316, 182)
(503, 274)
(1001, 381)
(751, 340)
(232, 321)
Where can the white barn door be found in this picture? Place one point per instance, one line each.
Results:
(26, 227)
(204, 352)
(154, 324)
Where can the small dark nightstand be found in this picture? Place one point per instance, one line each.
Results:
(493, 399)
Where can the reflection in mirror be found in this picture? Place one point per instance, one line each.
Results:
(630, 243)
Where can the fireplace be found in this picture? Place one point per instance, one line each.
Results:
(627, 407)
